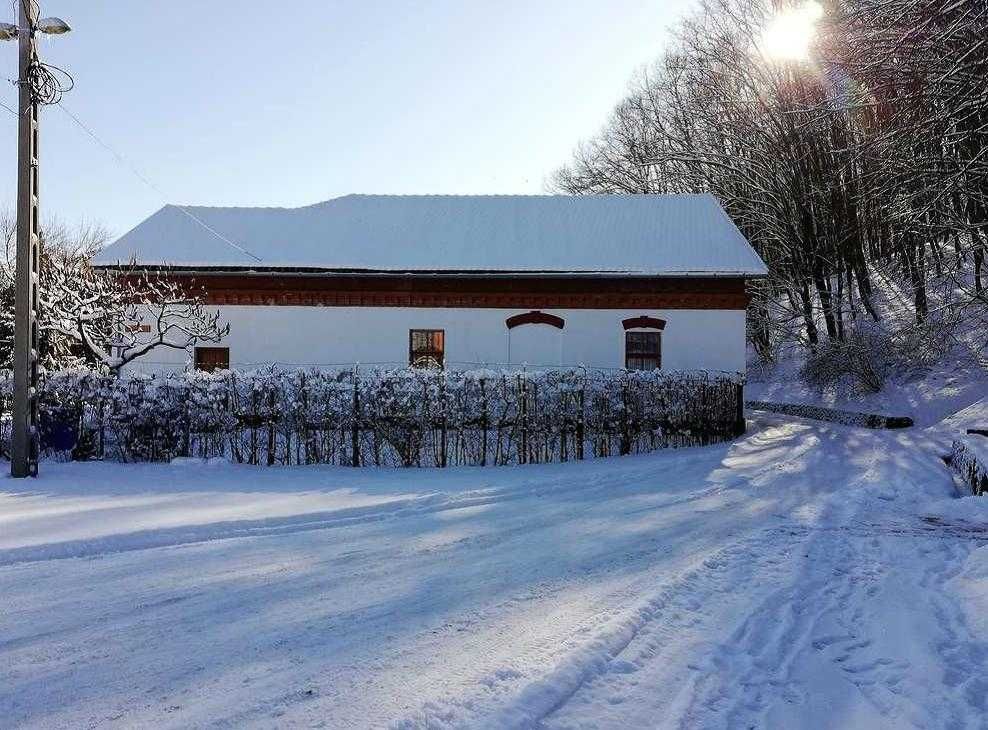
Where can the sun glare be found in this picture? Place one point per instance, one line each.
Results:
(789, 35)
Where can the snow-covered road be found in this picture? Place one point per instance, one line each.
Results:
(792, 579)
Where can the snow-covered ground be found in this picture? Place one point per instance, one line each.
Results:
(927, 398)
(805, 576)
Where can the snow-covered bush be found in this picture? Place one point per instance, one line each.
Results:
(870, 353)
(923, 345)
(403, 417)
(866, 357)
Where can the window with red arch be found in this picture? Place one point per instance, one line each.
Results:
(643, 343)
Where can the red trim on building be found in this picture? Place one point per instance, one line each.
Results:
(535, 317)
(502, 291)
(644, 322)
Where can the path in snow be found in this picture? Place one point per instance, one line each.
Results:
(788, 580)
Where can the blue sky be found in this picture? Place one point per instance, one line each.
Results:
(285, 104)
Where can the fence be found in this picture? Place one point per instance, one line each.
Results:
(404, 417)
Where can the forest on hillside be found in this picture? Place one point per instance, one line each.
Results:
(855, 160)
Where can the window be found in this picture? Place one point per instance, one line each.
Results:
(643, 350)
(212, 358)
(426, 348)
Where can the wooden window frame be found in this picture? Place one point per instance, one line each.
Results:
(642, 354)
(437, 354)
(213, 364)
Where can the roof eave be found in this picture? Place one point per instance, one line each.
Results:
(246, 270)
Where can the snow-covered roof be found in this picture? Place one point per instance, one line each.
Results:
(602, 234)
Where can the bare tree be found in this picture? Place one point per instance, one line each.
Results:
(861, 177)
(104, 318)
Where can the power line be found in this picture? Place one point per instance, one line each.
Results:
(140, 176)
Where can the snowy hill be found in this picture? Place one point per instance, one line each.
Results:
(927, 399)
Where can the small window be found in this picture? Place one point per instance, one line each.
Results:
(643, 350)
(427, 348)
(212, 358)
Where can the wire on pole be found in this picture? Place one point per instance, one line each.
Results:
(140, 176)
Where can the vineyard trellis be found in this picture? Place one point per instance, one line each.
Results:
(405, 417)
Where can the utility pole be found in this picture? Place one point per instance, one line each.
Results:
(24, 443)
(24, 433)
(24, 429)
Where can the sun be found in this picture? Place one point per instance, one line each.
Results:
(789, 34)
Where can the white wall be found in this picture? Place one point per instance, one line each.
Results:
(340, 336)
(538, 344)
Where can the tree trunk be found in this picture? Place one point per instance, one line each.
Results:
(811, 331)
(826, 301)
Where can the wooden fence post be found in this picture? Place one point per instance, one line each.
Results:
(704, 414)
(375, 430)
(187, 435)
(740, 425)
(272, 441)
(101, 449)
(355, 435)
(155, 424)
(442, 420)
(580, 426)
(624, 447)
(254, 460)
(232, 406)
(304, 435)
(484, 422)
(562, 427)
(523, 406)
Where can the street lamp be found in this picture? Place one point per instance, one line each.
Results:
(24, 445)
(53, 26)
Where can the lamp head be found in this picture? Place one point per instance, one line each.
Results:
(53, 26)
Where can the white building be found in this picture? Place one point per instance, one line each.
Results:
(638, 281)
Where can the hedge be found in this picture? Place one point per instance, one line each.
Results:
(403, 417)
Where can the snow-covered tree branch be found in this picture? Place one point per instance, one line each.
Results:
(860, 173)
(102, 318)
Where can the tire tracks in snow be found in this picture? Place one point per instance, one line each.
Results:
(526, 699)
(419, 505)
(829, 575)
(510, 699)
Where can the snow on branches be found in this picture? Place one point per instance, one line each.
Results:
(101, 318)
(149, 311)
(859, 172)
(403, 417)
